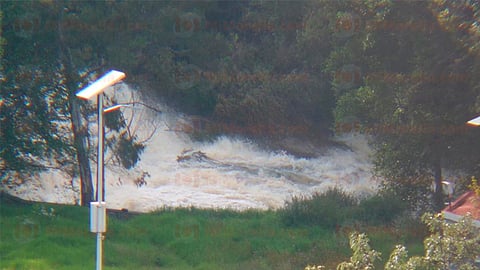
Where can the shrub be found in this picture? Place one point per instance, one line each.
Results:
(381, 209)
(328, 209)
(335, 207)
(474, 186)
(449, 246)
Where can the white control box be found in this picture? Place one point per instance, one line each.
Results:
(98, 217)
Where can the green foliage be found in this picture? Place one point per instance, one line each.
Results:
(363, 256)
(450, 245)
(328, 209)
(46, 236)
(410, 101)
(29, 121)
(128, 151)
(335, 208)
(474, 186)
(2, 42)
(381, 209)
(114, 120)
(51, 52)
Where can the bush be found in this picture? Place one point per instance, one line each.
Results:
(381, 209)
(328, 209)
(335, 207)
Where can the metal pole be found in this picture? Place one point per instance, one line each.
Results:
(100, 176)
(100, 157)
(99, 251)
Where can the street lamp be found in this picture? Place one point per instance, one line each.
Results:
(98, 209)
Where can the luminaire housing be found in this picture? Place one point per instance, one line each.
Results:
(96, 88)
(115, 107)
(474, 122)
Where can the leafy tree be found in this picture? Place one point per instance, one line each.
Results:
(2, 41)
(278, 86)
(28, 124)
(363, 256)
(474, 186)
(450, 245)
(51, 53)
(415, 101)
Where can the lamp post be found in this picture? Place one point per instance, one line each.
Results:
(98, 210)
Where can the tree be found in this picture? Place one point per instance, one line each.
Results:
(363, 256)
(413, 102)
(47, 61)
(2, 41)
(28, 121)
(450, 245)
(272, 81)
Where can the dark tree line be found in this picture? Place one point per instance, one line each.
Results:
(402, 71)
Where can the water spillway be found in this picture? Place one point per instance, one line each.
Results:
(227, 172)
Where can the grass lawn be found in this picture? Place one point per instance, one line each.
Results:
(37, 236)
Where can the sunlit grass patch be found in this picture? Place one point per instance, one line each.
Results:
(46, 236)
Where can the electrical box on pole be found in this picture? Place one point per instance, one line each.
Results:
(98, 217)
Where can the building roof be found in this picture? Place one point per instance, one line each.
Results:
(467, 203)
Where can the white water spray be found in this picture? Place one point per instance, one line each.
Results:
(236, 173)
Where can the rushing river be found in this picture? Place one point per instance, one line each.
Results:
(226, 173)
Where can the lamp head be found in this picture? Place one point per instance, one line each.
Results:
(99, 85)
(474, 122)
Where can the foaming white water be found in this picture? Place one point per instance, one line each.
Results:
(236, 174)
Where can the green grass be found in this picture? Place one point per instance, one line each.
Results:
(46, 236)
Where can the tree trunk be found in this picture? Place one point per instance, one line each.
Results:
(80, 144)
(80, 131)
(438, 192)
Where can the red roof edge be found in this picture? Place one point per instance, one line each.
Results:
(458, 202)
(461, 206)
